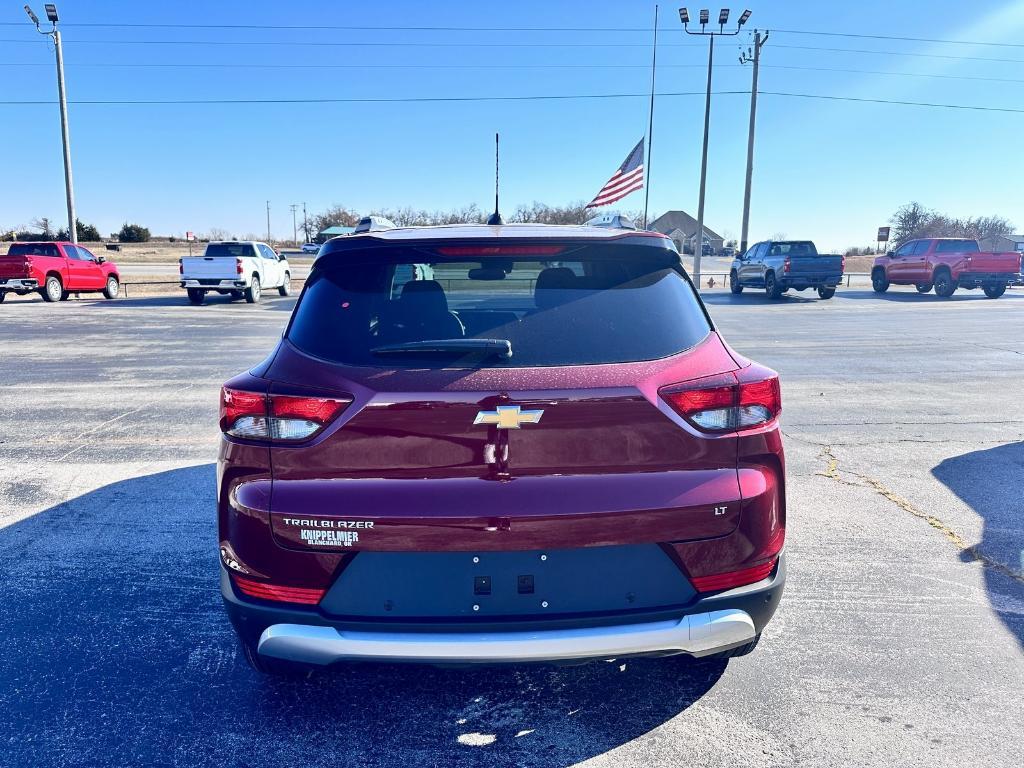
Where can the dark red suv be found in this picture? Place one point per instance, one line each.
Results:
(500, 444)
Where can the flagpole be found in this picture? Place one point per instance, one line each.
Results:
(650, 118)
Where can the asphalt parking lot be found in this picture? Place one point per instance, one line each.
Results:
(898, 642)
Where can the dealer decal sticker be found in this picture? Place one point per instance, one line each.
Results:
(321, 532)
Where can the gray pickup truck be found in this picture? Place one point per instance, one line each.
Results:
(778, 265)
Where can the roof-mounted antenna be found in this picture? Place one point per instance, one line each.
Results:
(495, 218)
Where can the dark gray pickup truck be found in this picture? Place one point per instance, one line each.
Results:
(778, 265)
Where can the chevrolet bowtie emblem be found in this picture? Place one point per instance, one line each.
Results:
(508, 417)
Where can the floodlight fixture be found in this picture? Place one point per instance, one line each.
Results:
(704, 17)
(684, 15)
(723, 17)
(744, 17)
(32, 15)
(51, 12)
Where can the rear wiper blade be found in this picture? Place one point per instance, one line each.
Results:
(483, 347)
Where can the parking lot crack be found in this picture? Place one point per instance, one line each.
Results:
(968, 552)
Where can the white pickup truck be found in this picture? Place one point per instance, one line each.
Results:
(235, 268)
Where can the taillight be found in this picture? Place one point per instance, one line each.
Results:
(285, 418)
(727, 402)
(786, 265)
(732, 579)
(238, 266)
(277, 593)
(181, 267)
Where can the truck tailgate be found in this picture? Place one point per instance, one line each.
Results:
(990, 261)
(13, 267)
(821, 264)
(209, 267)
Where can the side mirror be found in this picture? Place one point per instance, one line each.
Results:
(100, 259)
(890, 254)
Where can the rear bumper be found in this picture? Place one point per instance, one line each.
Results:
(695, 634)
(708, 625)
(978, 279)
(19, 284)
(811, 281)
(213, 285)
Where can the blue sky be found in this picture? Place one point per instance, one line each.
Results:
(829, 170)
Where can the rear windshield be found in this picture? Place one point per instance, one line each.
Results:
(234, 250)
(794, 249)
(584, 305)
(956, 246)
(33, 249)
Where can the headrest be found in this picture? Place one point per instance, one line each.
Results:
(425, 295)
(550, 283)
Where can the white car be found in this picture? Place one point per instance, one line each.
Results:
(311, 248)
(235, 268)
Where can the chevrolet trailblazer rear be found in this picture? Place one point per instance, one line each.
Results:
(500, 444)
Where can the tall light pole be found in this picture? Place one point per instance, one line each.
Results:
(755, 58)
(295, 229)
(305, 224)
(69, 187)
(268, 222)
(723, 19)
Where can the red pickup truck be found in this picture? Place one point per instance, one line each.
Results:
(946, 264)
(56, 270)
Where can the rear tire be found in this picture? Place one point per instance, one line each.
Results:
(286, 286)
(269, 666)
(825, 292)
(994, 291)
(923, 287)
(3, 295)
(53, 289)
(945, 285)
(254, 291)
(196, 295)
(112, 288)
(734, 283)
(771, 287)
(879, 282)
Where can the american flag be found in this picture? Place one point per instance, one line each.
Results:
(628, 177)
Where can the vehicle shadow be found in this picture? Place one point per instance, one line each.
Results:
(913, 297)
(989, 482)
(116, 651)
(757, 297)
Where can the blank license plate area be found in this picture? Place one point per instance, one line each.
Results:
(442, 585)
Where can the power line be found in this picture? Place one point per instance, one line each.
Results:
(898, 53)
(899, 38)
(256, 65)
(553, 97)
(465, 28)
(356, 44)
(379, 44)
(896, 74)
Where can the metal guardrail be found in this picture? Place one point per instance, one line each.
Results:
(723, 275)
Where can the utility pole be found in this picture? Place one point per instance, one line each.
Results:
(268, 222)
(295, 231)
(754, 58)
(305, 223)
(723, 19)
(69, 187)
